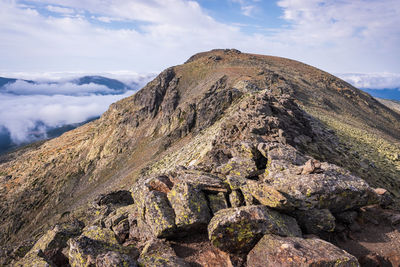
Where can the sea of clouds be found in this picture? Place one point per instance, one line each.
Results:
(372, 80)
(29, 110)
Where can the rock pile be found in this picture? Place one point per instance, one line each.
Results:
(265, 220)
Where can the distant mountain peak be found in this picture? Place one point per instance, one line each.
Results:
(110, 83)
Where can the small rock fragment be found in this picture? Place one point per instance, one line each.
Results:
(312, 166)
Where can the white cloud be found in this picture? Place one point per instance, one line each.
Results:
(54, 105)
(20, 114)
(25, 88)
(125, 76)
(337, 36)
(62, 10)
(344, 36)
(104, 19)
(173, 31)
(248, 10)
(372, 80)
(247, 6)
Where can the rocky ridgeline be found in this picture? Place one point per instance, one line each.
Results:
(255, 199)
(241, 216)
(220, 166)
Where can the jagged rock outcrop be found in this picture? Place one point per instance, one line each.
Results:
(215, 162)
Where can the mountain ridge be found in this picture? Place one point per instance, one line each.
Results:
(196, 115)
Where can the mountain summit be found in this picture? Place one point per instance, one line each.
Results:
(230, 159)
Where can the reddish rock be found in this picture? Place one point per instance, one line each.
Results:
(273, 250)
(312, 166)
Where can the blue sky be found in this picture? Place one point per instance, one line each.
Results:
(358, 36)
(58, 40)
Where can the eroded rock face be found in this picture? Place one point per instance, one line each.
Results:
(237, 230)
(273, 250)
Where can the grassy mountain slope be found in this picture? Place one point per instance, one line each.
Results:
(173, 120)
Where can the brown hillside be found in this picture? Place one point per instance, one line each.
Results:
(182, 118)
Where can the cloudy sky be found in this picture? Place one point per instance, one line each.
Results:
(339, 36)
(57, 40)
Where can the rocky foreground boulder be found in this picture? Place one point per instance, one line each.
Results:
(214, 163)
(259, 219)
(294, 251)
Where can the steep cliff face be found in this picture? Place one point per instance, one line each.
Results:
(268, 136)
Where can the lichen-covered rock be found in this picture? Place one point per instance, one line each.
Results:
(48, 249)
(217, 202)
(334, 189)
(121, 230)
(158, 253)
(316, 221)
(159, 216)
(245, 167)
(280, 152)
(267, 195)
(236, 199)
(200, 180)
(154, 215)
(273, 250)
(118, 215)
(113, 258)
(34, 260)
(84, 251)
(237, 230)
(100, 234)
(190, 206)
(118, 221)
(238, 184)
(235, 182)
